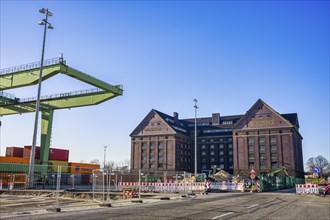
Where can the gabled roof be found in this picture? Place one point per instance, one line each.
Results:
(177, 127)
(261, 102)
(180, 126)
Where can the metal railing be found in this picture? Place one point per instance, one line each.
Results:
(62, 95)
(31, 66)
(7, 95)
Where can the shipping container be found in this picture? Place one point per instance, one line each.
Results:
(58, 154)
(13, 167)
(19, 160)
(53, 164)
(14, 151)
(86, 179)
(82, 168)
(54, 153)
(27, 152)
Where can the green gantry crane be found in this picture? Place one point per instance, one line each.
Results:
(28, 74)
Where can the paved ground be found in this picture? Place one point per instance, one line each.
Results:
(279, 205)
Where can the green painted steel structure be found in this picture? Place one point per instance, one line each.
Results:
(27, 75)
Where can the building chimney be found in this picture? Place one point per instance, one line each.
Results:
(176, 117)
(215, 118)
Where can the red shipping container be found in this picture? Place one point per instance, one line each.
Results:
(27, 152)
(14, 151)
(58, 154)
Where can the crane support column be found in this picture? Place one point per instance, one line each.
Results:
(46, 132)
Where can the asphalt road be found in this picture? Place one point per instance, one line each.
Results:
(213, 206)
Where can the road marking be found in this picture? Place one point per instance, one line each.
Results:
(252, 206)
(269, 201)
(222, 215)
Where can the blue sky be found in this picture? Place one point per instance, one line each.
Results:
(227, 54)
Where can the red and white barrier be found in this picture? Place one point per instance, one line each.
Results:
(258, 186)
(228, 186)
(307, 188)
(180, 187)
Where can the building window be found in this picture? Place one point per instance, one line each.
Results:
(160, 158)
(212, 146)
(251, 148)
(273, 139)
(222, 166)
(203, 153)
(160, 144)
(221, 146)
(152, 151)
(230, 146)
(144, 165)
(251, 140)
(274, 147)
(221, 159)
(144, 158)
(274, 156)
(261, 139)
(160, 165)
(230, 159)
(230, 139)
(262, 164)
(203, 147)
(160, 151)
(152, 165)
(251, 156)
(262, 156)
(274, 164)
(251, 165)
(212, 152)
(262, 147)
(152, 158)
(144, 151)
(204, 160)
(212, 159)
(203, 140)
(211, 140)
(221, 152)
(204, 167)
(144, 145)
(152, 144)
(230, 152)
(158, 123)
(230, 167)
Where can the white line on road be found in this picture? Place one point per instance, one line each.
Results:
(252, 206)
(269, 201)
(222, 215)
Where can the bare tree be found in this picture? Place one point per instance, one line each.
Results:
(319, 162)
(95, 161)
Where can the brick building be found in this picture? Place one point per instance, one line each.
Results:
(261, 139)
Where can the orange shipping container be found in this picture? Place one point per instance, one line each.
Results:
(82, 168)
(19, 160)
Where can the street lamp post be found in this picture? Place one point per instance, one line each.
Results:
(105, 151)
(47, 25)
(195, 106)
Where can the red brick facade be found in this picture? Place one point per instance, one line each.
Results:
(261, 139)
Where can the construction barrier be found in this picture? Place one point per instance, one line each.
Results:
(258, 186)
(307, 188)
(129, 193)
(161, 187)
(228, 186)
(180, 187)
